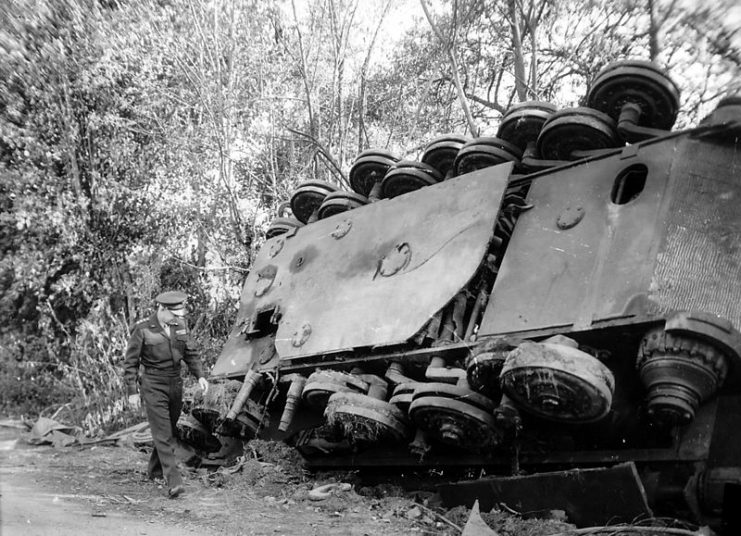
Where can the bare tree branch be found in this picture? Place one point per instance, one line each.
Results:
(363, 78)
(304, 75)
(489, 104)
(653, 32)
(334, 167)
(454, 65)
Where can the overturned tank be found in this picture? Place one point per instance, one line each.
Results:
(563, 295)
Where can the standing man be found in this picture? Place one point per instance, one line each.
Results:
(159, 344)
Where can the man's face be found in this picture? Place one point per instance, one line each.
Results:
(167, 315)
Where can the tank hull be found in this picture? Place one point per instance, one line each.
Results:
(582, 316)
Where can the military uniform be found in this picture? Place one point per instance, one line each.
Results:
(160, 350)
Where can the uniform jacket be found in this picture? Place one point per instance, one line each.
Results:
(150, 347)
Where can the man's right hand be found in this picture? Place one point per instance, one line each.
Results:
(135, 401)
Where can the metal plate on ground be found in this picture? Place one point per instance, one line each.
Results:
(588, 496)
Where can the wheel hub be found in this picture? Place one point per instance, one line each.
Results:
(680, 373)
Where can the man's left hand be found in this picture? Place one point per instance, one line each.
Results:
(203, 382)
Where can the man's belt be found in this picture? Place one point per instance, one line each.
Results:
(167, 372)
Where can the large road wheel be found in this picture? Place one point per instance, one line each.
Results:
(369, 168)
(324, 383)
(281, 226)
(636, 82)
(485, 152)
(407, 176)
(521, 124)
(308, 197)
(364, 419)
(558, 382)
(576, 129)
(340, 201)
(440, 153)
(455, 415)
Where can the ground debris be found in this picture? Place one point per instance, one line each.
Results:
(476, 526)
(637, 530)
(281, 455)
(267, 493)
(266, 482)
(48, 431)
(381, 490)
(327, 490)
(413, 513)
(264, 469)
(507, 524)
(16, 424)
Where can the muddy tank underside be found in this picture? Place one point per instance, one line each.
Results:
(565, 305)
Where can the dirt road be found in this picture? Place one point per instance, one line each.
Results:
(103, 490)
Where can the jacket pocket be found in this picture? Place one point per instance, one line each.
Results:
(152, 338)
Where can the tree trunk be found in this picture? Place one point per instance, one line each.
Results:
(519, 59)
(363, 74)
(454, 67)
(653, 32)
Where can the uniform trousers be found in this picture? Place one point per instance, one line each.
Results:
(162, 394)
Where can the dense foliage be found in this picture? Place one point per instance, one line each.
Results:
(146, 144)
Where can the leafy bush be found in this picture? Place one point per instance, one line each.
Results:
(28, 390)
